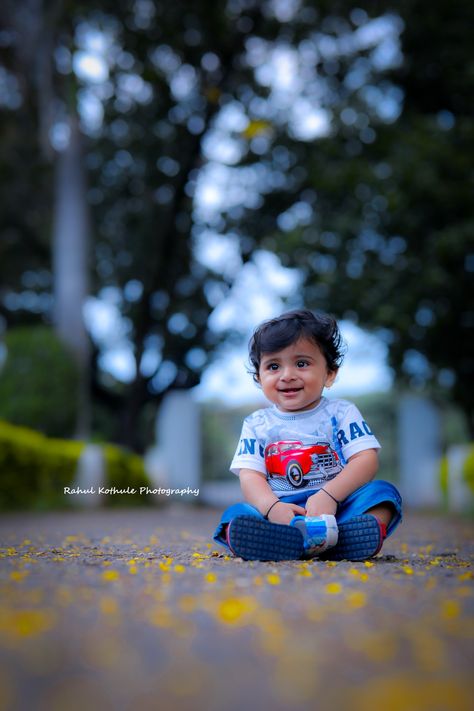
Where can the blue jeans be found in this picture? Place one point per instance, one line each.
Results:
(361, 500)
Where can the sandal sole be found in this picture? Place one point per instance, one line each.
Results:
(252, 538)
(359, 538)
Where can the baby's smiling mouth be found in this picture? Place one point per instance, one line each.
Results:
(290, 390)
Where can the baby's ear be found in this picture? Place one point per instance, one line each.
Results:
(331, 377)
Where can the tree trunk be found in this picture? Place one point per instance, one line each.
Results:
(71, 236)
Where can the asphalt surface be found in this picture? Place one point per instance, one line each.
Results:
(139, 609)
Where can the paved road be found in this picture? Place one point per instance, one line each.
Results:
(140, 610)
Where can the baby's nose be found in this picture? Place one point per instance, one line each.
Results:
(288, 373)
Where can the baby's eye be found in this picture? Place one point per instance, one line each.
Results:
(272, 366)
(301, 363)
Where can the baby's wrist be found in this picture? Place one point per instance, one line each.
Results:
(331, 496)
(270, 508)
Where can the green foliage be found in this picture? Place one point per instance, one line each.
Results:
(468, 468)
(124, 469)
(35, 469)
(38, 382)
(443, 478)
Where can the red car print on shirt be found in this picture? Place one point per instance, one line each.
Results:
(301, 463)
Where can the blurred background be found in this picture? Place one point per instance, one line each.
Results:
(172, 174)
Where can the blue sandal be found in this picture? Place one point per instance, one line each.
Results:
(254, 538)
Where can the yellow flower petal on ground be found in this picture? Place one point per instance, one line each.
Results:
(133, 570)
(210, 577)
(18, 575)
(410, 691)
(305, 573)
(110, 575)
(178, 568)
(161, 617)
(234, 610)
(465, 576)
(273, 579)
(333, 588)
(359, 574)
(187, 603)
(331, 563)
(26, 623)
(450, 609)
(201, 556)
(407, 569)
(356, 599)
(368, 564)
(108, 605)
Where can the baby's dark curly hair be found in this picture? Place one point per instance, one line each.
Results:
(278, 333)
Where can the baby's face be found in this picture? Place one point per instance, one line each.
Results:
(294, 378)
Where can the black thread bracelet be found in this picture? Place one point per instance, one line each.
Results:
(274, 504)
(332, 497)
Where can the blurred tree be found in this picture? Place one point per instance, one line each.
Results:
(379, 215)
(37, 372)
(409, 256)
(299, 106)
(156, 75)
(25, 275)
(31, 30)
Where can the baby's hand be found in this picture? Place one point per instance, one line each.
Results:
(284, 513)
(319, 504)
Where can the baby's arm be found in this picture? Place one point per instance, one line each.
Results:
(360, 469)
(258, 493)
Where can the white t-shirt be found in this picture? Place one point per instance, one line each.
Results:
(307, 448)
